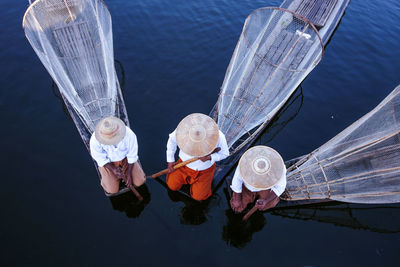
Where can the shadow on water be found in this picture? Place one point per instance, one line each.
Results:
(383, 218)
(57, 94)
(239, 233)
(378, 218)
(129, 204)
(236, 232)
(375, 218)
(194, 212)
(119, 68)
(288, 112)
(334, 31)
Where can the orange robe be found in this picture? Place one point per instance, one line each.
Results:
(199, 181)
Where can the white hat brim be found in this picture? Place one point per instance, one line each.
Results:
(197, 148)
(116, 138)
(269, 178)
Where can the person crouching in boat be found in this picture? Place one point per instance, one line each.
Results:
(261, 177)
(114, 147)
(197, 135)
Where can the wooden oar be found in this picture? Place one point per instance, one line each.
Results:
(131, 187)
(176, 166)
(181, 164)
(136, 193)
(249, 213)
(271, 201)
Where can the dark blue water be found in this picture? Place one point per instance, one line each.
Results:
(174, 54)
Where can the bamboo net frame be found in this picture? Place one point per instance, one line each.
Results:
(275, 52)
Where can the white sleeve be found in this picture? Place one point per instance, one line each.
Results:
(97, 152)
(224, 152)
(132, 144)
(279, 187)
(171, 147)
(237, 182)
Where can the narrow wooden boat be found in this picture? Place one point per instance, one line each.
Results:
(73, 39)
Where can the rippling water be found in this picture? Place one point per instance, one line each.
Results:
(175, 54)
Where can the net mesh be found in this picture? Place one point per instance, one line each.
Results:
(73, 39)
(275, 52)
(361, 164)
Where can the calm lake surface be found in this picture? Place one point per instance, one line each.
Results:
(174, 55)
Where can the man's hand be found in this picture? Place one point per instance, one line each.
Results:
(116, 171)
(260, 204)
(171, 167)
(205, 158)
(129, 179)
(264, 204)
(208, 157)
(236, 202)
(235, 205)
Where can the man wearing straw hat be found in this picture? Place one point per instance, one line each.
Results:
(261, 176)
(114, 147)
(197, 135)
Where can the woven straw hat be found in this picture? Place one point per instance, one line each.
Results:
(110, 131)
(261, 167)
(197, 135)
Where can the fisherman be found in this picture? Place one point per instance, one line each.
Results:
(261, 177)
(114, 147)
(197, 135)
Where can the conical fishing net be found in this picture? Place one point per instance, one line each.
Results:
(73, 39)
(361, 164)
(275, 52)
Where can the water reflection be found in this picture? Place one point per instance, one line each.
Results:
(119, 68)
(129, 204)
(288, 112)
(374, 218)
(239, 233)
(193, 212)
(384, 218)
(236, 232)
(57, 94)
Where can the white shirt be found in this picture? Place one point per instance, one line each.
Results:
(198, 165)
(237, 183)
(126, 148)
